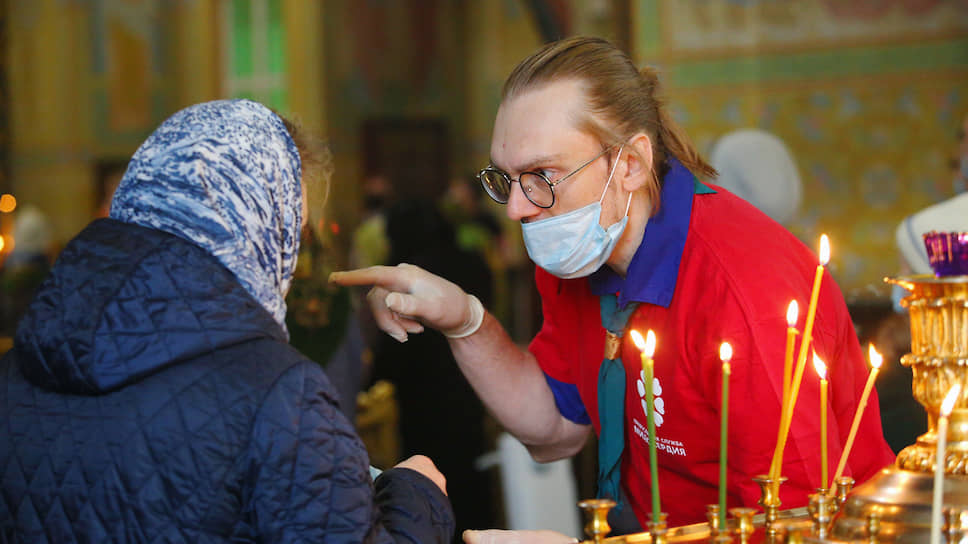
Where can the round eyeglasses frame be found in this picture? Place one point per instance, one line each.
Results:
(489, 170)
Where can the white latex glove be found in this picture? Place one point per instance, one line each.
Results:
(405, 297)
(425, 466)
(496, 536)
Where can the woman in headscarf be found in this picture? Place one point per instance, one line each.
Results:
(151, 394)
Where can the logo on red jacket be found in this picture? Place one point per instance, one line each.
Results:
(658, 403)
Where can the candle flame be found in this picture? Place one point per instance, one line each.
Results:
(725, 352)
(646, 345)
(637, 339)
(824, 250)
(949, 400)
(649, 343)
(793, 311)
(874, 356)
(820, 366)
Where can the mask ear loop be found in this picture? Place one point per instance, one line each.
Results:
(610, 174)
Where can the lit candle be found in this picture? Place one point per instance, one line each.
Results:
(647, 347)
(793, 311)
(786, 417)
(725, 354)
(939, 463)
(821, 368)
(876, 360)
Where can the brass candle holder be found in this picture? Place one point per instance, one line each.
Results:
(596, 510)
(770, 501)
(744, 522)
(842, 487)
(712, 517)
(658, 528)
(822, 508)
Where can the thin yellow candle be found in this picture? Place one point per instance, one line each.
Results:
(793, 311)
(725, 354)
(947, 405)
(821, 368)
(647, 346)
(875, 359)
(786, 417)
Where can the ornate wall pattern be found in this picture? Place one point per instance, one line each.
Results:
(869, 109)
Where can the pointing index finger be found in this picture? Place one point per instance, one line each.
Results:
(389, 277)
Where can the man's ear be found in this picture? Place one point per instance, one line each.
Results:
(637, 162)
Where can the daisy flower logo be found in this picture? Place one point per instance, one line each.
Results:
(658, 403)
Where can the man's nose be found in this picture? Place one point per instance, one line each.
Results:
(519, 207)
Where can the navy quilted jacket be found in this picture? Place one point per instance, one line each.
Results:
(150, 398)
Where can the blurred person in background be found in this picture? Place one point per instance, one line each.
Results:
(758, 167)
(370, 245)
(476, 228)
(440, 416)
(159, 344)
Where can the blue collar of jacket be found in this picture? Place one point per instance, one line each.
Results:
(654, 268)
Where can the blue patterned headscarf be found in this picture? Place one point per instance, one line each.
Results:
(226, 176)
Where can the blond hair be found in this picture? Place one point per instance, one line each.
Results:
(626, 99)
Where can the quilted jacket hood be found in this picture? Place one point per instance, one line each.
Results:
(124, 302)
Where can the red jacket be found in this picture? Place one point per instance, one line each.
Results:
(712, 268)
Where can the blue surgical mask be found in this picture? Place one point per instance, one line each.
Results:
(574, 244)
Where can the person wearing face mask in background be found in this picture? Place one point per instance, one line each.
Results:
(613, 211)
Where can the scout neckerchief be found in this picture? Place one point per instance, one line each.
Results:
(611, 398)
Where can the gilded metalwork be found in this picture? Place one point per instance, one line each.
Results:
(597, 512)
(938, 308)
(822, 508)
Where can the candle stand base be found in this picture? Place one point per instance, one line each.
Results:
(658, 528)
(822, 508)
(712, 517)
(901, 502)
(770, 501)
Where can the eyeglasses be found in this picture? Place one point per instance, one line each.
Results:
(536, 186)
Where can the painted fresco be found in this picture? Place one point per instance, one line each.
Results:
(126, 73)
(703, 27)
(870, 110)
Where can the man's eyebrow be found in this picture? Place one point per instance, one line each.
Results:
(542, 160)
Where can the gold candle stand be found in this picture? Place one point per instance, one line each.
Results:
(901, 494)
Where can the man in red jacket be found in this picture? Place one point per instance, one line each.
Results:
(625, 235)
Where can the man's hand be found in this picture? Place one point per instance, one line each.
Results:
(405, 297)
(425, 466)
(495, 536)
